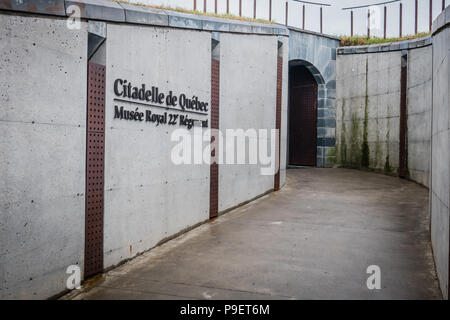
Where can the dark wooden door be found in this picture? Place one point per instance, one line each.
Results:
(303, 119)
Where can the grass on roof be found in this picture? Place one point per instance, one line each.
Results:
(362, 40)
(200, 13)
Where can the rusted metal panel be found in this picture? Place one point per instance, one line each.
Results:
(95, 154)
(302, 118)
(403, 153)
(276, 183)
(214, 167)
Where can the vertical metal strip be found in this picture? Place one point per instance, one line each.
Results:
(276, 183)
(214, 167)
(351, 23)
(416, 17)
(270, 10)
(303, 17)
(403, 152)
(95, 145)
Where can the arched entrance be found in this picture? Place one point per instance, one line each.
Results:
(302, 117)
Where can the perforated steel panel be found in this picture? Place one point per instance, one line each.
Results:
(403, 148)
(214, 168)
(276, 183)
(95, 145)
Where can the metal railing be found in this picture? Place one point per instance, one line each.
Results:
(370, 8)
(385, 5)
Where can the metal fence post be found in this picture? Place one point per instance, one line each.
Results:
(270, 10)
(303, 24)
(351, 23)
(321, 20)
(416, 17)
(287, 11)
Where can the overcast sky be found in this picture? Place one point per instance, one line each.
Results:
(336, 21)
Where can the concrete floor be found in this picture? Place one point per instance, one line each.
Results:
(314, 239)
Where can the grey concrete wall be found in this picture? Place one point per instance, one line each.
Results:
(42, 164)
(368, 111)
(247, 100)
(440, 154)
(147, 196)
(419, 101)
(318, 53)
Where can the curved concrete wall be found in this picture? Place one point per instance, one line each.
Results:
(368, 104)
(368, 107)
(440, 150)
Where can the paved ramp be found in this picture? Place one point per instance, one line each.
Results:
(314, 239)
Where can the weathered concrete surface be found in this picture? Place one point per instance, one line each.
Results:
(368, 111)
(314, 239)
(419, 102)
(440, 157)
(42, 161)
(250, 91)
(147, 196)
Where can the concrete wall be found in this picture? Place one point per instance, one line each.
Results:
(368, 101)
(247, 100)
(42, 141)
(419, 103)
(147, 198)
(318, 53)
(368, 110)
(440, 155)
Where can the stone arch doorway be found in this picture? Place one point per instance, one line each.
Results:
(303, 92)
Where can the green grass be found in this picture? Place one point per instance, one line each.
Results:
(361, 40)
(200, 13)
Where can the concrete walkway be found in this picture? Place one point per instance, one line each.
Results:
(314, 239)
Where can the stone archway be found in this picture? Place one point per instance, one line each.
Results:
(317, 53)
(302, 148)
